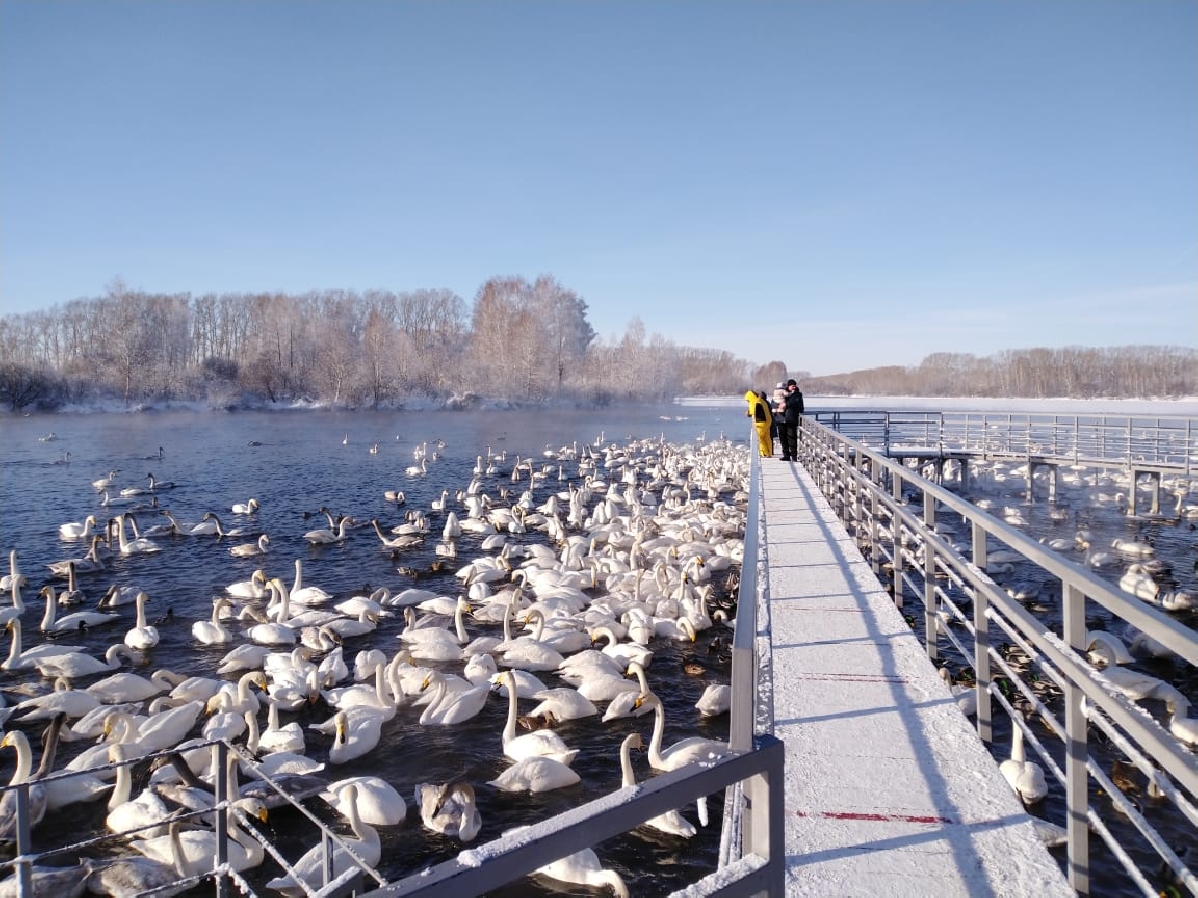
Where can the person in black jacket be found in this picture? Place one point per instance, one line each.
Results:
(791, 416)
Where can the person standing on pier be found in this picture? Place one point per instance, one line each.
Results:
(778, 407)
(759, 411)
(793, 411)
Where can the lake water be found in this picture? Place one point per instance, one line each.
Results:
(293, 463)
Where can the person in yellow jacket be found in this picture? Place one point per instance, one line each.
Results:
(759, 411)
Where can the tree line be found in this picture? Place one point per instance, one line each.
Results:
(519, 341)
(1123, 372)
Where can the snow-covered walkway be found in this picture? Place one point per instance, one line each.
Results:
(889, 790)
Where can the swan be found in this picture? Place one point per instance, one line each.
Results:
(581, 868)
(77, 529)
(276, 738)
(354, 736)
(14, 577)
(671, 822)
(966, 698)
(1134, 548)
(1135, 685)
(448, 708)
(449, 809)
(22, 659)
(396, 496)
(124, 687)
(245, 507)
(563, 703)
(63, 700)
(80, 664)
(134, 546)
(251, 550)
(213, 632)
(144, 815)
(1024, 776)
(717, 699)
(627, 704)
(1181, 725)
(309, 872)
(142, 636)
(167, 725)
(327, 537)
(417, 470)
(378, 802)
(51, 623)
(23, 773)
(693, 750)
(67, 882)
(138, 875)
(1137, 581)
(305, 595)
(253, 588)
(106, 482)
(535, 774)
(544, 743)
(197, 848)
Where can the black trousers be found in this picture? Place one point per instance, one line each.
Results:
(790, 440)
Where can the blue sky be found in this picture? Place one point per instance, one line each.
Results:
(837, 185)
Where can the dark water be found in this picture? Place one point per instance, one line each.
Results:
(301, 464)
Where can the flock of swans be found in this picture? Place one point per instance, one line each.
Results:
(582, 577)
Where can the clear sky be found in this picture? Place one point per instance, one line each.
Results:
(837, 185)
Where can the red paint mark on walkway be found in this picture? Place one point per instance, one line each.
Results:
(876, 817)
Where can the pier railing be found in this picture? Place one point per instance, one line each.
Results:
(899, 519)
(1152, 441)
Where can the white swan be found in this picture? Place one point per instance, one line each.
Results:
(198, 847)
(306, 595)
(22, 659)
(354, 736)
(1181, 724)
(23, 773)
(253, 588)
(137, 875)
(106, 482)
(627, 703)
(63, 700)
(581, 868)
(1024, 776)
(310, 869)
(717, 699)
(213, 632)
(417, 470)
(671, 822)
(141, 635)
(1135, 685)
(276, 738)
(378, 802)
(80, 664)
(543, 742)
(535, 774)
(122, 687)
(563, 703)
(448, 808)
(448, 708)
(327, 537)
(77, 529)
(245, 507)
(146, 815)
(965, 697)
(693, 750)
(251, 550)
(134, 546)
(52, 623)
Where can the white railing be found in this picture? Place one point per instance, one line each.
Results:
(893, 513)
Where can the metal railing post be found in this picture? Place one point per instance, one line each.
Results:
(1077, 827)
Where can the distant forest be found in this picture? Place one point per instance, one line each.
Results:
(519, 341)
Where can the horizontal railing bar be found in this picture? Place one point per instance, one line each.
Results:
(512, 856)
